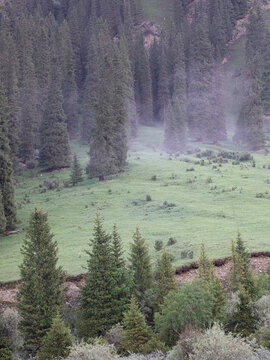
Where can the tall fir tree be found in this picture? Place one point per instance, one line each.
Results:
(3, 221)
(54, 141)
(6, 170)
(40, 294)
(98, 311)
(122, 276)
(140, 263)
(143, 83)
(164, 278)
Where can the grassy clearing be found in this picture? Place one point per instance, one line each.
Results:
(209, 204)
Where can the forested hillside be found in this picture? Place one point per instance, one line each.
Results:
(94, 70)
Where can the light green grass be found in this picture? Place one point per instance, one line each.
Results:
(200, 214)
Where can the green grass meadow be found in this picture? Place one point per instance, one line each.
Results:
(205, 205)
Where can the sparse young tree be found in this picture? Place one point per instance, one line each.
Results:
(40, 294)
(76, 172)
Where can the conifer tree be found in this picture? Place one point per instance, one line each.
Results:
(6, 171)
(205, 266)
(98, 311)
(266, 76)
(162, 86)
(40, 294)
(240, 8)
(136, 332)
(140, 263)
(241, 273)
(122, 276)
(137, 11)
(76, 172)
(57, 342)
(164, 278)
(143, 84)
(5, 351)
(2, 215)
(54, 142)
(244, 317)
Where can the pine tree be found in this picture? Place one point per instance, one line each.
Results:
(140, 263)
(98, 312)
(57, 342)
(240, 8)
(241, 273)
(137, 11)
(164, 278)
(122, 276)
(205, 266)
(6, 171)
(3, 221)
(76, 172)
(40, 294)
(136, 332)
(143, 83)
(5, 351)
(244, 317)
(162, 86)
(266, 76)
(54, 142)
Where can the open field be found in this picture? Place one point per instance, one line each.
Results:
(208, 204)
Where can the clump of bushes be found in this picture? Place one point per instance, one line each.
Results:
(171, 241)
(148, 198)
(158, 245)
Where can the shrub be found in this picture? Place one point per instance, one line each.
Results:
(115, 335)
(154, 178)
(10, 319)
(190, 305)
(154, 356)
(171, 241)
(209, 180)
(262, 308)
(148, 198)
(83, 351)
(215, 344)
(158, 245)
(30, 164)
(262, 354)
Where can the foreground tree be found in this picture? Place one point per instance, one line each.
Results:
(57, 342)
(98, 311)
(141, 266)
(5, 351)
(136, 332)
(40, 294)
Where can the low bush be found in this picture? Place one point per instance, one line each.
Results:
(84, 351)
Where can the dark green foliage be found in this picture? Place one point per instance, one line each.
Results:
(241, 273)
(190, 305)
(54, 142)
(244, 317)
(2, 215)
(122, 276)
(164, 278)
(76, 172)
(143, 83)
(250, 126)
(162, 86)
(40, 294)
(240, 8)
(57, 342)
(5, 350)
(98, 309)
(140, 263)
(6, 171)
(136, 332)
(266, 76)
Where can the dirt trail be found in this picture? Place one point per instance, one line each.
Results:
(259, 263)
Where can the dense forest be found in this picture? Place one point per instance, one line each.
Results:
(94, 71)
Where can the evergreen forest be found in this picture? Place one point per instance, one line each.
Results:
(134, 179)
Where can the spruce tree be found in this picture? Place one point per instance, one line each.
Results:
(244, 317)
(98, 312)
(122, 276)
(54, 142)
(164, 278)
(136, 332)
(57, 342)
(40, 294)
(2, 215)
(6, 171)
(162, 86)
(266, 76)
(140, 263)
(76, 172)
